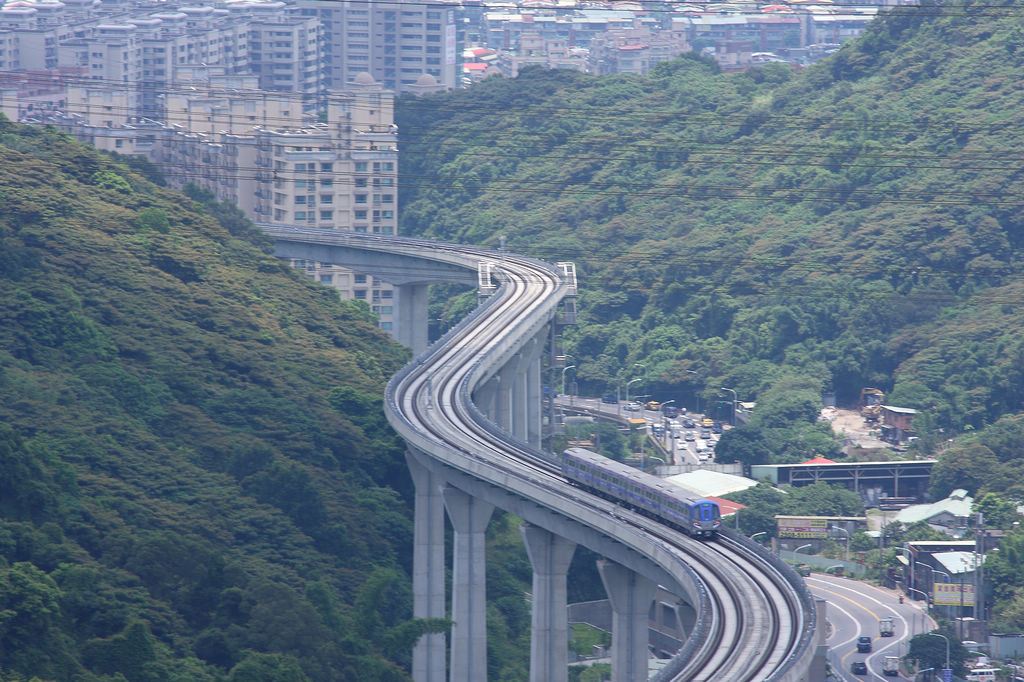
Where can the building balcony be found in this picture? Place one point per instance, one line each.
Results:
(310, 156)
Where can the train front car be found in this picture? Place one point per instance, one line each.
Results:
(650, 495)
(705, 518)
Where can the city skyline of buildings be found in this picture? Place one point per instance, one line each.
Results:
(286, 108)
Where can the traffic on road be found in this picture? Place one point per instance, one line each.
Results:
(869, 628)
(686, 437)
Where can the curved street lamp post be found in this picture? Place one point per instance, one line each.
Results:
(847, 533)
(564, 370)
(733, 403)
(627, 387)
(936, 634)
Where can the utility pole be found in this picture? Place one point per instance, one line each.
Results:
(979, 568)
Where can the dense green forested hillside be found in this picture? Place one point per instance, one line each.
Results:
(197, 481)
(854, 224)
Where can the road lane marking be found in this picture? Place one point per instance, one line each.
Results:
(874, 653)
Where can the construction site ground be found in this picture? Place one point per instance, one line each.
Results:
(849, 425)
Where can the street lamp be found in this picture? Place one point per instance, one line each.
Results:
(847, 533)
(696, 393)
(763, 532)
(627, 387)
(914, 589)
(936, 634)
(640, 364)
(668, 436)
(797, 550)
(733, 403)
(564, 370)
(934, 571)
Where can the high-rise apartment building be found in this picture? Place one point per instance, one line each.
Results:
(394, 42)
(145, 46)
(284, 52)
(258, 150)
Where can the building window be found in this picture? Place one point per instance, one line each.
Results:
(300, 215)
(360, 166)
(326, 215)
(360, 182)
(360, 198)
(385, 326)
(360, 279)
(327, 279)
(326, 198)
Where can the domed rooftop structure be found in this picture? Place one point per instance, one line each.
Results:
(425, 84)
(364, 78)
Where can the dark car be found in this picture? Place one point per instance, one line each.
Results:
(717, 427)
(670, 411)
(609, 399)
(864, 644)
(689, 424)
(859, 668)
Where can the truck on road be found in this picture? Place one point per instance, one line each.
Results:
(891, 666)
(886, 627)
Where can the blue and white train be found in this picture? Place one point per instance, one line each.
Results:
(670, 504)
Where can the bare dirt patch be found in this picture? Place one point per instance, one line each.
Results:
(850, 426)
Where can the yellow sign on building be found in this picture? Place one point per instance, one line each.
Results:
(953, 594)
(793, 527)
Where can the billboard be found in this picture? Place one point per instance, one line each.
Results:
(803, 528)
(950, 594)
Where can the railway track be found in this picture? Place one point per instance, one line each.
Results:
(756, 622)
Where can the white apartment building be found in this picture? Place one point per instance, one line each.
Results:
(284, 52)
(634, 50)
(258, 150)
(394, 42)
(130, 43)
